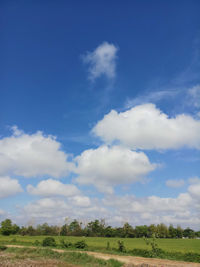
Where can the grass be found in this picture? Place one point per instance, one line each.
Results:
(81, 259)
(100, 243)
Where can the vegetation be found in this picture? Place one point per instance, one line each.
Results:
(81, 259)
(147, 241)
(98, 228)
(100, 243)
(49, 242)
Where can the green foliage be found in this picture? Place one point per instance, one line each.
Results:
(2, 248)
(6, 227)
(49, 242)
(121, 246)
(65, 244)
(155, 251)
(108, 245)
(37, 243)
(81, 244)
(64, 230)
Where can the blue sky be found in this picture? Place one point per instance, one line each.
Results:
(100, 111)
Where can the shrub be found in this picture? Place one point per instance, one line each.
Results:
(121, 246)
(108, 245)
(81, 244)
(3, 248)
(49, 242)
(37, 243)
(65, 244)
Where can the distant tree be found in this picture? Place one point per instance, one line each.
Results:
(64, 230)
(31, 231)
(172, 231)
(128, 230)
(141, 231)
(152, 230)
(15, 229)
(189, 233)
(179, 231)
(162, 230)
(75, 228)
(6, 227)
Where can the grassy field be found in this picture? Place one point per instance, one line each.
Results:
(48, 258)
(100, 243)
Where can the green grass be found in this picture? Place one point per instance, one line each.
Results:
(81, 259)
(100, 243)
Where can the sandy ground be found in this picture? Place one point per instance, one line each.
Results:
(128, 260)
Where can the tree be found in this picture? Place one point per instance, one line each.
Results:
(128, 230)
(64, 230)
(6, 227)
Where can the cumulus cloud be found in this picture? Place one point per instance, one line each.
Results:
(194, 189)
(9, 187)
(55, 210)
(183, 209)
(50, 187)
(175, 183)
(146, 127)
(81, 201)
(31, 155)
(102, 61)
(106, 167)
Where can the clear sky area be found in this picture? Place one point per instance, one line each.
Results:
(100, 111)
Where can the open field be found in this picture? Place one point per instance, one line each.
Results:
(100, 243)
(16, 255)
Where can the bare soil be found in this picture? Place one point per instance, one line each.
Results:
(129, 261)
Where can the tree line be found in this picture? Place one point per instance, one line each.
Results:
(98, 228)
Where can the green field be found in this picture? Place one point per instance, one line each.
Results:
(100, 243)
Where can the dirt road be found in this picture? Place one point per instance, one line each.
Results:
(131, 260)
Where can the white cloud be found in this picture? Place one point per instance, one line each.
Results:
(32, 155)
(50, 187)
(194, 189)
(106, 167)
(9, 187)
(102, 61)
(81, 201)
(146, 127)
(175, 183)
(183, 209)
(55, 210)
(194, 180)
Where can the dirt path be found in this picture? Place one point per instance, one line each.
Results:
(130, 260)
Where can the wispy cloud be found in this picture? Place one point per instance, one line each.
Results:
(102, 61)
(175, 183)
(194, 94)
(151, 97)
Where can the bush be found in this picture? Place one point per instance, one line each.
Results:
(121, 246)
(65, 244)
(108, 245)
(49, 242)
(81, 244)
(3, 248)
(37, 243)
